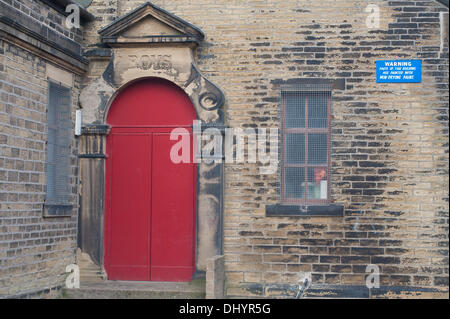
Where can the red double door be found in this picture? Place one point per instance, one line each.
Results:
(150, 200)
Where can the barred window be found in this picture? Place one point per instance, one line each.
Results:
(306, 145)
(59, 139)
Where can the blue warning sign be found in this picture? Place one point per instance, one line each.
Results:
(399, 71)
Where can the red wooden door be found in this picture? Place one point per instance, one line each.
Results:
(149, 200)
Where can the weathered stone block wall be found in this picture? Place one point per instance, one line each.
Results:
(34, 251)
(105, 12)
(47, 16)
(390, 141)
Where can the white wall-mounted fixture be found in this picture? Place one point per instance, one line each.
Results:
(78, 122)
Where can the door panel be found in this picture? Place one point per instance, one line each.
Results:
(172, 250)
(130, 207)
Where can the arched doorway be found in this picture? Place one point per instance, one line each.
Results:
(150, 202)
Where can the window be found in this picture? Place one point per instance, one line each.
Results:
(306, 146)
(58, 170)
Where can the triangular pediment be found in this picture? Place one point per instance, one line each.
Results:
(149, 24)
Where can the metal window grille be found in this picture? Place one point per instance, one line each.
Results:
(306, 115)
(58, 145)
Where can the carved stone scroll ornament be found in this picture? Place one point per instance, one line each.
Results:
(210, 97)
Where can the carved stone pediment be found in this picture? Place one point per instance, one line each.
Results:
(150, 24)
(151, 42)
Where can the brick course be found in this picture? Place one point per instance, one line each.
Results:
(46, 16)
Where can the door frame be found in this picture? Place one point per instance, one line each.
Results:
(210, 176)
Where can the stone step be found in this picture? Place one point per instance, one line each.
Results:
(137, 290)
(89, 271)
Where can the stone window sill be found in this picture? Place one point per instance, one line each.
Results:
(282, 210)
(57, 210)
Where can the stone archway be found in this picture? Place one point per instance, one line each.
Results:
(168, 54)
